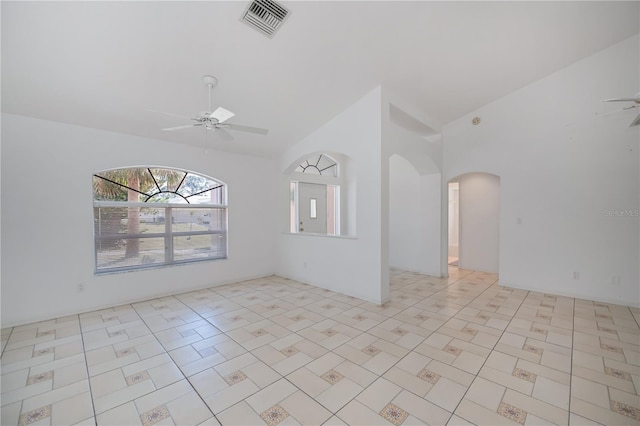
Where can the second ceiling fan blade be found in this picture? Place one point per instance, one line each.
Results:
(249, 129)
(221, 114)
(623, 100)
(182, 127)
(224, 135)
(635, 122)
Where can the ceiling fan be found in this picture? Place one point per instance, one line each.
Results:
(636, 100)
(216, 120)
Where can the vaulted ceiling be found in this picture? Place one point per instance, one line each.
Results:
(104, 64)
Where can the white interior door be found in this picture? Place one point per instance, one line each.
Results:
(312, 208)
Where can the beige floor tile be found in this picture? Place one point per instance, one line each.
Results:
(552, 392)
(629, 399)
(258, 333)
(512, 380)
(208, 382)
(334, 421)
(26, 392)
(121, 395)
(424, 319)
(271, 395)
(125, 414)
(329, 334)
(588, 360)
(356, 413)
(181, 402)
(303, 298)
(328, 307)
(13, 380)
(609, 378)
(304, 409)
(446, 394)
(199, 356)
(485, 393)
(283, 361)
(599, 415)
(401, 333)
(356, 373)
(556, 361)
(379, 394)
(535, 355)
(232, 320)
(480, 415)
(229, 396)
(297, 319)
(55, 396)
(186, 334)
(590, 392)
(360, 319)
(412, 382)
(576, 420)
(542, 371)
(423, 411)
(240, 414)
(272, 307)
(339, 394)
(72, 410)
(458, 421)
(538, 408)
(215, 308)
(309, 382)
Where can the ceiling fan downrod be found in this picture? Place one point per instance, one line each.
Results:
(211, 82)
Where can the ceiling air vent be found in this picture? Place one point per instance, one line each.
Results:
(265, 16)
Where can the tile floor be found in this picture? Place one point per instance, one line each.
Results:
(455, 351)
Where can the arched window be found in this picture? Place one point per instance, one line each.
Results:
(319, 164)
(147, 217)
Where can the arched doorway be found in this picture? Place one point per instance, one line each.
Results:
(474, 205)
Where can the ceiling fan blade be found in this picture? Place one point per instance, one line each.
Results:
(223, 134)
(169, 114)
(221, 114)
(623, 100)
(616, 111)
(256, 130)
(183, 127)
(635, 122)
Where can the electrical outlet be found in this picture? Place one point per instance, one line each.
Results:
(80, 288)
(576, 275)
(616, 280)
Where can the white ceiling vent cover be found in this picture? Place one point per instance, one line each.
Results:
(265, 15)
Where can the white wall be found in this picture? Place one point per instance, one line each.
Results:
(414, 218)
(479, 210)
(349, 265)
(412, 237)
(47, 219)
(563, 165)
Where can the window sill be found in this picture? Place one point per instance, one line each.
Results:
(309, 234)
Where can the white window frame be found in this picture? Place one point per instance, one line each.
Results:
(212, 220)
(168, 235)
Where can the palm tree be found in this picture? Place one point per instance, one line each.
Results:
(136, 182)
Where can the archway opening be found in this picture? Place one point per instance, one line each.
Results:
(474, 217)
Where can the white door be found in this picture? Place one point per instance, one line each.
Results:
(312, 208)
